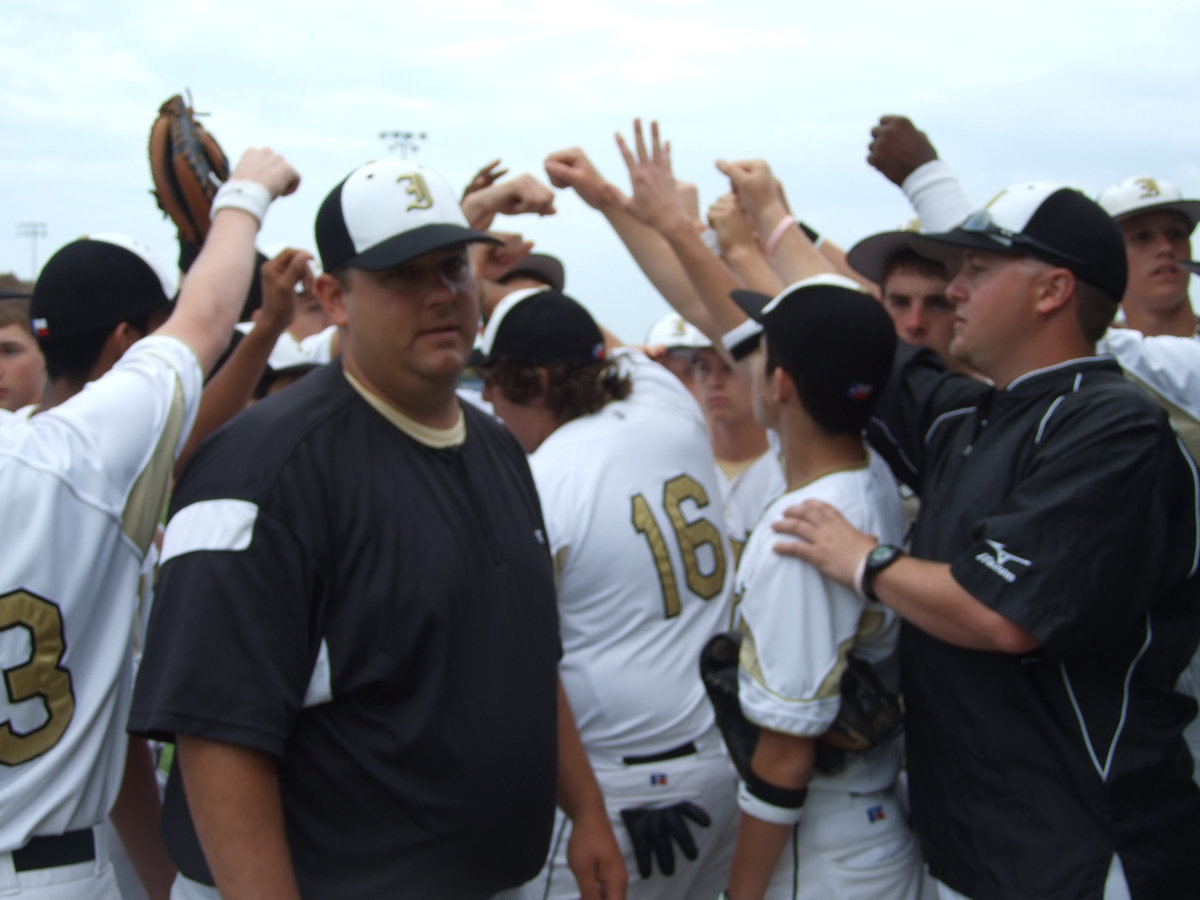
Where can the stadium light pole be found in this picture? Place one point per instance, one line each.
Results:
(405, 141)
(33, 231)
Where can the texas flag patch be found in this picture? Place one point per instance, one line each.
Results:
(658, 779)
(876, 814)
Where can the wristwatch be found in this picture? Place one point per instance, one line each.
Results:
(877, 560)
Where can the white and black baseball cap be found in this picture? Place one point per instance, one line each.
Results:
(673, 331)
(831, 334)
(535, 327)
(388, 212)
(1050, 222)
(1141, 194)
(97, 282)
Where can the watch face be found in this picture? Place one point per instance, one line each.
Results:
(884, 553)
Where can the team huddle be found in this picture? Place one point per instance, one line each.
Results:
(870, 573)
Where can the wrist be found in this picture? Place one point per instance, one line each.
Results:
(777, 233)
(769, 216)
(675, 227)
(872, 564)
(740, 251)
(247, 196)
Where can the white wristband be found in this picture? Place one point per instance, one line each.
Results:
(768, 812)
(248, 196)
(859, 572)
(740, 334)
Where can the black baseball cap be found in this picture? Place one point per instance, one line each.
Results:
(1056, 224)
(827, 331)
(539, 326)
(95, 283)
(388, 212)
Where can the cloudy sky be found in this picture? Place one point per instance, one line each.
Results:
(1084, 93)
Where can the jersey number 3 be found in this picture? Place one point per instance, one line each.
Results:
(41, 676)
(690, 536)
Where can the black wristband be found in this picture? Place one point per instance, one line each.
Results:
(785, 798)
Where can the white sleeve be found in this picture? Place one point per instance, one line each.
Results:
(319, 346)
(125, 429)
(1168, 365)
(937, 196)
(798, 628)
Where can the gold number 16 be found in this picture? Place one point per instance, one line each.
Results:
(689, 535)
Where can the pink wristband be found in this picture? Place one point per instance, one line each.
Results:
(777, 235)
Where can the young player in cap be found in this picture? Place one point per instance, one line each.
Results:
(88, 476)
(827, 350)
(1157, 223)
(355, 640)
(633, 511)
(1050, 591)
(912, 288)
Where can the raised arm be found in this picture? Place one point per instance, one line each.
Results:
(231, 388)
(514, 197)
(739, 247)
(787, 249)
(214, 289)
(571, 168)
(655, 203)
(907, 158)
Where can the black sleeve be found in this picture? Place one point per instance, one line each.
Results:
(1094, 517)
(919, 390)
(231, 645)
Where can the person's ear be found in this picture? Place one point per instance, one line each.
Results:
(332, 294)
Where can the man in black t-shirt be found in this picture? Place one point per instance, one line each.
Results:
(355, 640)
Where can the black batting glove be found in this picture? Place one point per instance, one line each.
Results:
(653, 831)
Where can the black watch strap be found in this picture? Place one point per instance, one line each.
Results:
(877, 560)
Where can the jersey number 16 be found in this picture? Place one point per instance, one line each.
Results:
(690, 536)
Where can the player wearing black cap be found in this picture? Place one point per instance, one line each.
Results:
(84, 483)
(632, 502)
(808, 833)
(1050, 594)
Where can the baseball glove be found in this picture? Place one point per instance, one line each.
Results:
(869, 713)
(187, 165)
(719, 672)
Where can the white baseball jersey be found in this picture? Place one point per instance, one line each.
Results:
(748, 493)
(632, 502)
(84, 487)
(799, 627)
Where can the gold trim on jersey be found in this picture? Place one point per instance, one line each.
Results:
(144, 505)
(430, 437)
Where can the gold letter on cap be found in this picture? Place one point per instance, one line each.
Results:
(418, 190)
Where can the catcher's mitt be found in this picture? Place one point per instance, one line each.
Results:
(188, 166)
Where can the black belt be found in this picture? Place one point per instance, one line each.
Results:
(674, 753)
(50, 851)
